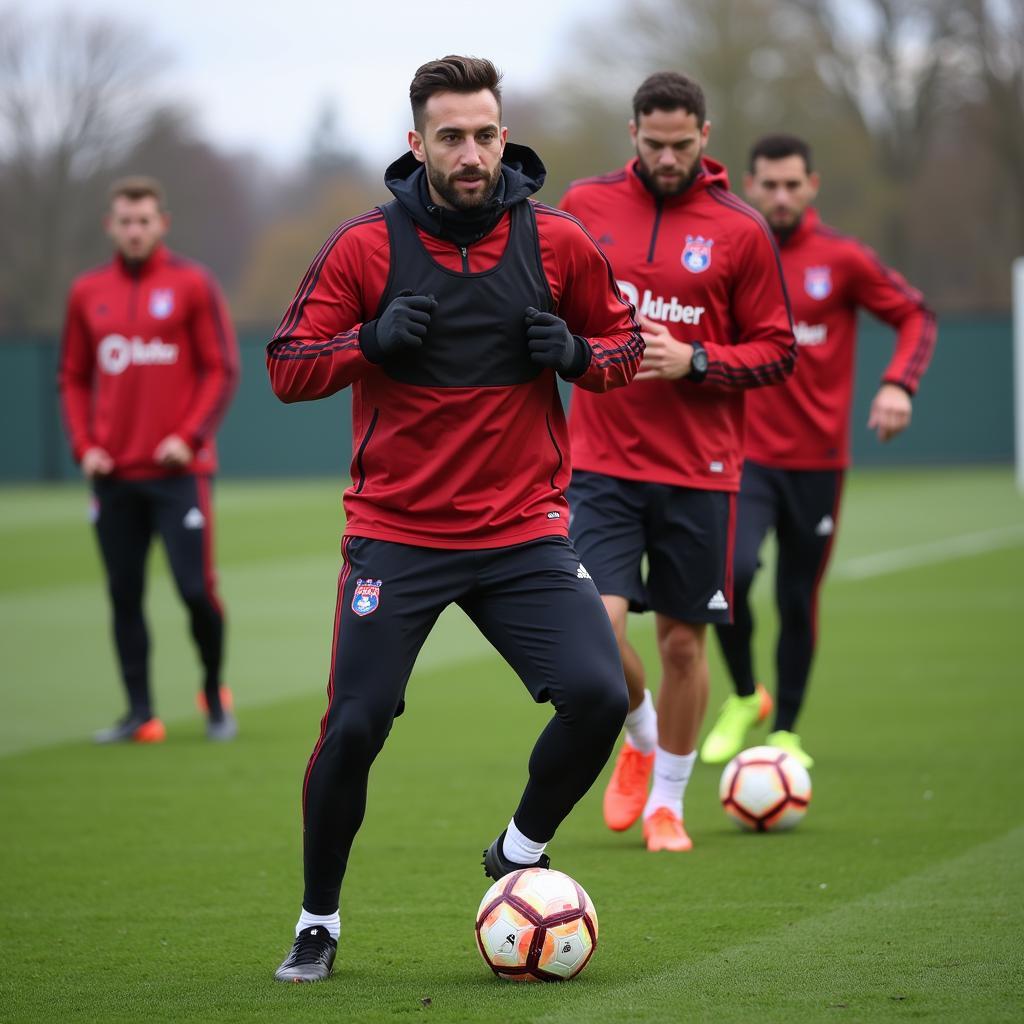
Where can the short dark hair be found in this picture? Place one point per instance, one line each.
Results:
(137, 186)
(452, 74)
(778, 147)
(669, 90)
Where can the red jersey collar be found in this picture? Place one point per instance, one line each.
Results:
(156, 259)
(711, 173)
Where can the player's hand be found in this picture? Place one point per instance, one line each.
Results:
(97, 462)
(550, 341)
(665, 358)
(404, 323)
(173, 452)
(890, 412)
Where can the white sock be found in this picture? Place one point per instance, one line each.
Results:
(518, 849)
(332, 922)
(670, 775)
(642, 725)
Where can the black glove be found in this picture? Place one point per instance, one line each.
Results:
(402, 325)
(551, 344)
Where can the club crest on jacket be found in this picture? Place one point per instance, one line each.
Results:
(161, 303)
(697, 253)
(818, 282)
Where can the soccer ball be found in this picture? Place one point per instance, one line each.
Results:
(536, 925)
(765, 789)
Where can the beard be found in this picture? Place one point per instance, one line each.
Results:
(672, 187)
(445, 186)
(783, 231)
(783, 220)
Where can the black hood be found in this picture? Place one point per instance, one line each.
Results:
(522, 174)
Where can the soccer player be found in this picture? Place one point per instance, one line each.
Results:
(451, 312)
(148, 366)
(657, 465)
(798, 436)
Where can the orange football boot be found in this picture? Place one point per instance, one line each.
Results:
(151, 731)
(133, 728)
(626, 793)
(663, 830)
(227, 700)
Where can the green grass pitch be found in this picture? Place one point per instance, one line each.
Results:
(162, 883)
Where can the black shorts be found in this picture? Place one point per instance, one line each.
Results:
(686, 534)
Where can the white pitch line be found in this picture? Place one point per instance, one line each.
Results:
(932, 553)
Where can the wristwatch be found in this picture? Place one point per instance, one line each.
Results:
(698, 363)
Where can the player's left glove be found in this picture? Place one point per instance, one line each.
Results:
(552, 344)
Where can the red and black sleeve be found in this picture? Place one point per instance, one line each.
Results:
(887, 295)
(315, 351)
(589, 301)
(765, 349)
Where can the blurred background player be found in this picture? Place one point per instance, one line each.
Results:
(451, 311)
(798, 436)
(657, 464)
(148, 366)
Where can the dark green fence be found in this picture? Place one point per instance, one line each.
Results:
(964, 412)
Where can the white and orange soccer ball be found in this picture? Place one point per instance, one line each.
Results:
(764, 789)
(536, 925)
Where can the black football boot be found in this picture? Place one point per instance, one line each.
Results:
(497, 865)
(311, 957)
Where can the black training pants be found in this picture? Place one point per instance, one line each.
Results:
(802, 507)
(127, 514)
(541, 613)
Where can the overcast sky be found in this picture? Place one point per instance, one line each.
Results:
(257, 73)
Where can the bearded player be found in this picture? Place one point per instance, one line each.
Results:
(657, 464)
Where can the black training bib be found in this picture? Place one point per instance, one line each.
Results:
(477, 333)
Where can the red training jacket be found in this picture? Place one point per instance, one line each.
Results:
(806, 423)
(705, 264)
(147, 351)
(450, 467)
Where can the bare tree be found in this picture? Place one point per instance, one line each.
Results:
(73, 95)
(755, 70)
(891, 65)
(993, 33)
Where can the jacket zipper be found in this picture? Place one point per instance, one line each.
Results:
(654, 232)
(362, 448)
(558, 452)
(465, 258)
(133, 300)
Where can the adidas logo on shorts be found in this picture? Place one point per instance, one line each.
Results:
(718, 603)
(826, 527)
(581, 573)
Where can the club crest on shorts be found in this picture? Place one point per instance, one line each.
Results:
(697, 253)
(161, 303)
(818, 282)
(367, 596)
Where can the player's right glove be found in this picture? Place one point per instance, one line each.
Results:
(401, 326)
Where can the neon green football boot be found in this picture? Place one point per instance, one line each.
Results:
(738, 716)
(790, 743)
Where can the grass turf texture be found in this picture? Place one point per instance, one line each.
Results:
(161, 883)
